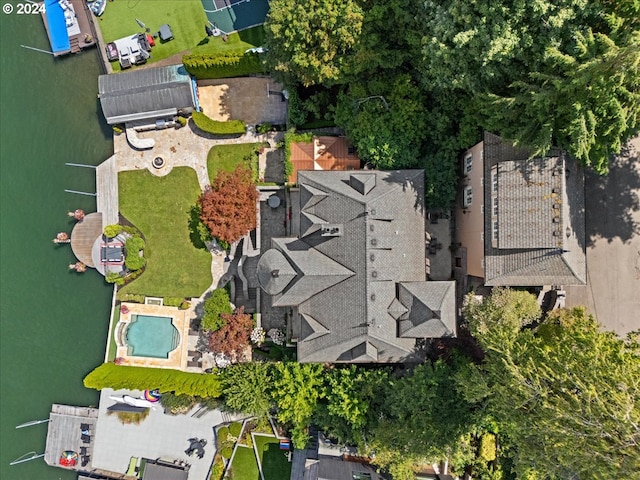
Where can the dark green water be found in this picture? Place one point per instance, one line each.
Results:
(53, 323)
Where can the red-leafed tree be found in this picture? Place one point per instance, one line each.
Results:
(228, 206)
(234, 336)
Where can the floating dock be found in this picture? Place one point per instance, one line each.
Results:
(69, 26)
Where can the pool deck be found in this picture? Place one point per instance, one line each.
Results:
(180, 318)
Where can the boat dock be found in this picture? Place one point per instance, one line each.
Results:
(71, 429)
(69, 26)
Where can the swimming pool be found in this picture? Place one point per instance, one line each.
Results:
(151, 336)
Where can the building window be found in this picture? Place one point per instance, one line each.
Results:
(495, 230)
(494, 182)
(468, 196)
(468, 163)
(495, 206)
(361, 476)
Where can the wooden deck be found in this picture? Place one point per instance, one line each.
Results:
(84, 235)
(64, 432)
(107, 191)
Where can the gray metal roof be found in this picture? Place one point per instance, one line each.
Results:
(360, 235)
(541, 220)
(145, 94)
(156, 471)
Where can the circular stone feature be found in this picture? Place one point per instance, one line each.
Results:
(274, 201)
(158, 162)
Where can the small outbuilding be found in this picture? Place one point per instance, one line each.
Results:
(148, 94)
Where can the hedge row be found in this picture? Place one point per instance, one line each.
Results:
(208, 125)
(223, 65)
(110, 375)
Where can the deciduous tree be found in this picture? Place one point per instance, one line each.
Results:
(247, 388)
(309, 40)
(228, 206)
(566, 393)
(234, 336)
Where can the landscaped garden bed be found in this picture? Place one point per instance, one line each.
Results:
(159, 207)
(228, 157)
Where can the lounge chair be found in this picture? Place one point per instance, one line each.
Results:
(86, 439)
(194, 364)
(85, 460)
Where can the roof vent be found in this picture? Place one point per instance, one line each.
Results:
(556, 206)
(374, 274)
(363, 183)
(373, 297)
(557, 233)
(331, 231)
(372, 257)
(374, 242)
(556, 219)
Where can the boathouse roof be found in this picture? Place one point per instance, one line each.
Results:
(146, 94)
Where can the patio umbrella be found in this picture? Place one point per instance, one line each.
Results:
(69, 458)
(139, 22)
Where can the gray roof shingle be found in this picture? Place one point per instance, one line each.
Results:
(145, 94)
(541, 224)
(359, 238)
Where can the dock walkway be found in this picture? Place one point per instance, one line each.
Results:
(107, 191)
(65, 432)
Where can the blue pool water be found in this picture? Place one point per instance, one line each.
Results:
(150, 336)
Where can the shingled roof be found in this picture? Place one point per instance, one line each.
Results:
(540, 234)
(145, 94)
(359, 292)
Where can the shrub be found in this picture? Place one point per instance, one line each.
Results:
(223, 435)
(214, 306)
(214, 127)
(226, 246)
(264, 128)
(131, 297)
(130, 418)
(233, 337)
(226, 452)
(487, 450)
(181, 120)
(184, 305)
(133, 246)
(177, 404)
(113, 277)
(110, 375)
(218, 468)
(117, 129)
(172, 301)
(111, 231)
(235, 428)
(223, 65)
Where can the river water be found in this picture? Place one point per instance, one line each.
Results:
(53, 322)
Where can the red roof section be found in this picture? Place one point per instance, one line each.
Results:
(322, 153)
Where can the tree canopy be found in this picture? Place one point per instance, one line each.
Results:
(228, 206)
(566, 394)
(419, 80)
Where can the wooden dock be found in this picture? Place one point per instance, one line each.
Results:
(84, 236)
(107, 191)
(87, 37)
(65, 432)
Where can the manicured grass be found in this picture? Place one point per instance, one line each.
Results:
(275, 464)
(113, 348)
(244, 464)
(159, 207)
(186, 18)
(228, 157)
(236, 42)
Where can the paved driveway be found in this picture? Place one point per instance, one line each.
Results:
(613, 245)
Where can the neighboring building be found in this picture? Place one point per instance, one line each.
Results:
(520, 221)
(323, 153)
(150, 94)
(353, 273)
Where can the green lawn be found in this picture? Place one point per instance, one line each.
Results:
(187, 20)
(275, 464)
(159, 207)
(244, 464)
(113, 348)
(228, 157)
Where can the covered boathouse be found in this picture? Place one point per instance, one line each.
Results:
(68, 25)
(149, 95)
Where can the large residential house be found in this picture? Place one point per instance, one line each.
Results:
(352, 275)
(520, 221)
